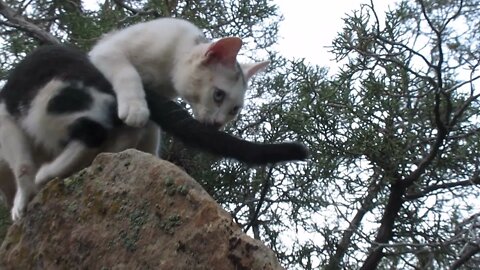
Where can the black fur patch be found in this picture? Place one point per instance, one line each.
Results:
(70, 99)
(90, 132)
(43, 65)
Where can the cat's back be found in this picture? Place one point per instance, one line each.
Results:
(169, 26)
(41, 66)
(156, 35)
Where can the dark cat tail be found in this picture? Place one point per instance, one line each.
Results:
(172, 118)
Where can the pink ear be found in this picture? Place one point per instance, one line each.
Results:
(224, 51)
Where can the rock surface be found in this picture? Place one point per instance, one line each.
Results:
(129, 211)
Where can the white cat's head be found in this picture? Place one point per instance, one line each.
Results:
(213, 83)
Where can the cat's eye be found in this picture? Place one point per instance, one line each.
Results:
(235, 110)
(218, 95)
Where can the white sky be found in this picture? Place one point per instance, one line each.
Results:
(311, 25)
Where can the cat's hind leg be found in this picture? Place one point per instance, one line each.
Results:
(86, 137)
(150, 140)
(145, 139)
(74, 157)
(17, 153)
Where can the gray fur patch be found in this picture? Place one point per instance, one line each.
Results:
(239, 74)
(201, 40)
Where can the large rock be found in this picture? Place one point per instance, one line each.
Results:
(129, 211)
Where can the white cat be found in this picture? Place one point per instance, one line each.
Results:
(173, 55)
(59, 117)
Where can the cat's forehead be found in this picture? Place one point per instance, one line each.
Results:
(230, 77)
(240, 75)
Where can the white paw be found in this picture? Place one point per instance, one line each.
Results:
(43, 175)
(20, 203)
(134, 113)
(18, 211)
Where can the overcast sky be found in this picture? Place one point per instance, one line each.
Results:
(311, 25)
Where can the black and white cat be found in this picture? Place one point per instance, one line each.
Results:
(58, 111)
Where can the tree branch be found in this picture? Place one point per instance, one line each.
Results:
(135, 11)
(472, 250)
(263, 193)
(18, 21)
(470, 182)
(385, 232)
(336, 259)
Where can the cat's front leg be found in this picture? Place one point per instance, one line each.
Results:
(133, 111)
(127, 85)
(26, 190)
(132, 105)
(16, 152)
